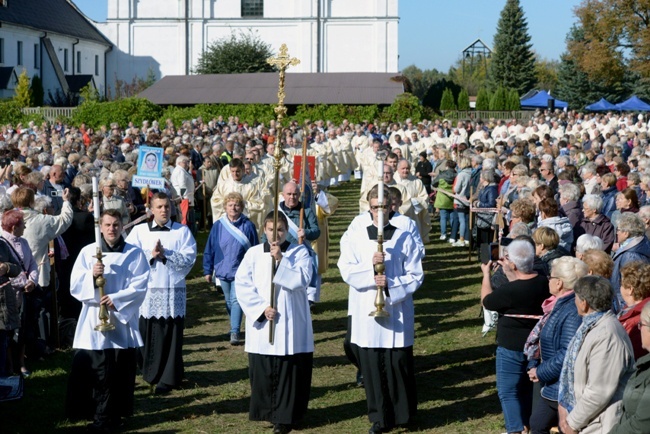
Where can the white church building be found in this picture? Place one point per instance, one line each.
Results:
(167, 37)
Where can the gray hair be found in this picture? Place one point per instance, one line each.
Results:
(489, 175)
(586, 242)
(596, 291)
(569, 269)
(489, 164)
(5, 203)
(644, 212)
(182, 158)
(632, 224)
(570, 192)
(41, 203)
(522, 254)
(594, 202)
(589, 168)
(520, 228)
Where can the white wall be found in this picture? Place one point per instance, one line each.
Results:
(356, 35)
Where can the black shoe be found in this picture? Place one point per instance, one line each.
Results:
(359, 379)
(375, 428)
(280, 428)
(162, 389)
(97, 427)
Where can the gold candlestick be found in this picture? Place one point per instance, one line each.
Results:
(104, 324)
(380, 268)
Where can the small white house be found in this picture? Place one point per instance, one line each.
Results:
(54, 40)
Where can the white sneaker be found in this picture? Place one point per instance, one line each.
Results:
(451, 241)
(443, 237)
(466, 243)
(459, 243)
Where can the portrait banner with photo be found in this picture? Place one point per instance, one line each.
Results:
(150, 161)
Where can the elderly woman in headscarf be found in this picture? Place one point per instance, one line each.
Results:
(598, 362)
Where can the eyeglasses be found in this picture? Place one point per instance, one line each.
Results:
(376, 207)
(640, 325)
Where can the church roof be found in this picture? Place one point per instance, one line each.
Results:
(59, 16)
(77, 82)
(262, 88)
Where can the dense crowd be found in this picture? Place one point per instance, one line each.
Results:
(563, 197)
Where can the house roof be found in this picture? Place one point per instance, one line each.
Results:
(6, 73)
(77, 82)
(59, 16)
(262, 88)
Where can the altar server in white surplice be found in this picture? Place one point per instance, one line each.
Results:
(384, 345)
(102, 378)
(280, 373)
(170, 249)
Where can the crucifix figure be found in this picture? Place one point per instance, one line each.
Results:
(282, 62)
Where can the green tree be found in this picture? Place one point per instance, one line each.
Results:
(578, 88)
(23, 96)
(546, 74)
(421, 80)
(447, 102)
(433, 97)
(498, 100)
(471, 74)
(37, 91)
(513, 102)
(513, 60)
(463, 100)
(483, 100)
(238, 53)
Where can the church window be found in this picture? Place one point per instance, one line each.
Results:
(78, 62)
(2, 50)
(65, 59)
(96, 64)
(252, 8)
(37, 60)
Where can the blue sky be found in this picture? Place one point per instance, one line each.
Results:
(432, 33)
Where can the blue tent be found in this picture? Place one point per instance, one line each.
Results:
(634, 104)
(540, 100)
(601, 106)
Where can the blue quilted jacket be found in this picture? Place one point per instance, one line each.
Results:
(554, 339)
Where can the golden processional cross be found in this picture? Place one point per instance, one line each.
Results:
(282, 62)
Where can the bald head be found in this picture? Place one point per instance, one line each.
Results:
(291, 194)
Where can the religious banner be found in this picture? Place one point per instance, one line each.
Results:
(149, 168)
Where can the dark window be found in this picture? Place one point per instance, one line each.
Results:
(65, 59)
(37, 63)
(96, 64)
(19, 60)
(2, 50)
(78, 62)
(252, 8)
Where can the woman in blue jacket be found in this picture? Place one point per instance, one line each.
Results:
(487, 198)
(230, 237)
(550, 338)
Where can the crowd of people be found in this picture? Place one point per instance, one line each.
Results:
(563, 196)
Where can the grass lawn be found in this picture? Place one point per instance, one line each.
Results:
(454, 364)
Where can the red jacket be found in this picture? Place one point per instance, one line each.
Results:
(629, 319)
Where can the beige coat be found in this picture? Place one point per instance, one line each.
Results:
(602, 367)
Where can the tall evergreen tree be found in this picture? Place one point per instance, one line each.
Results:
(483, 100)
(499, 99)
(447, 101)
(463, 100)
(513, 60)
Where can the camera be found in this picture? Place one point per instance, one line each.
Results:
(5, 161)
(493, 251)
(55, 193)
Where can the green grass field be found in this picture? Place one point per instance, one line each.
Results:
(454, 364)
